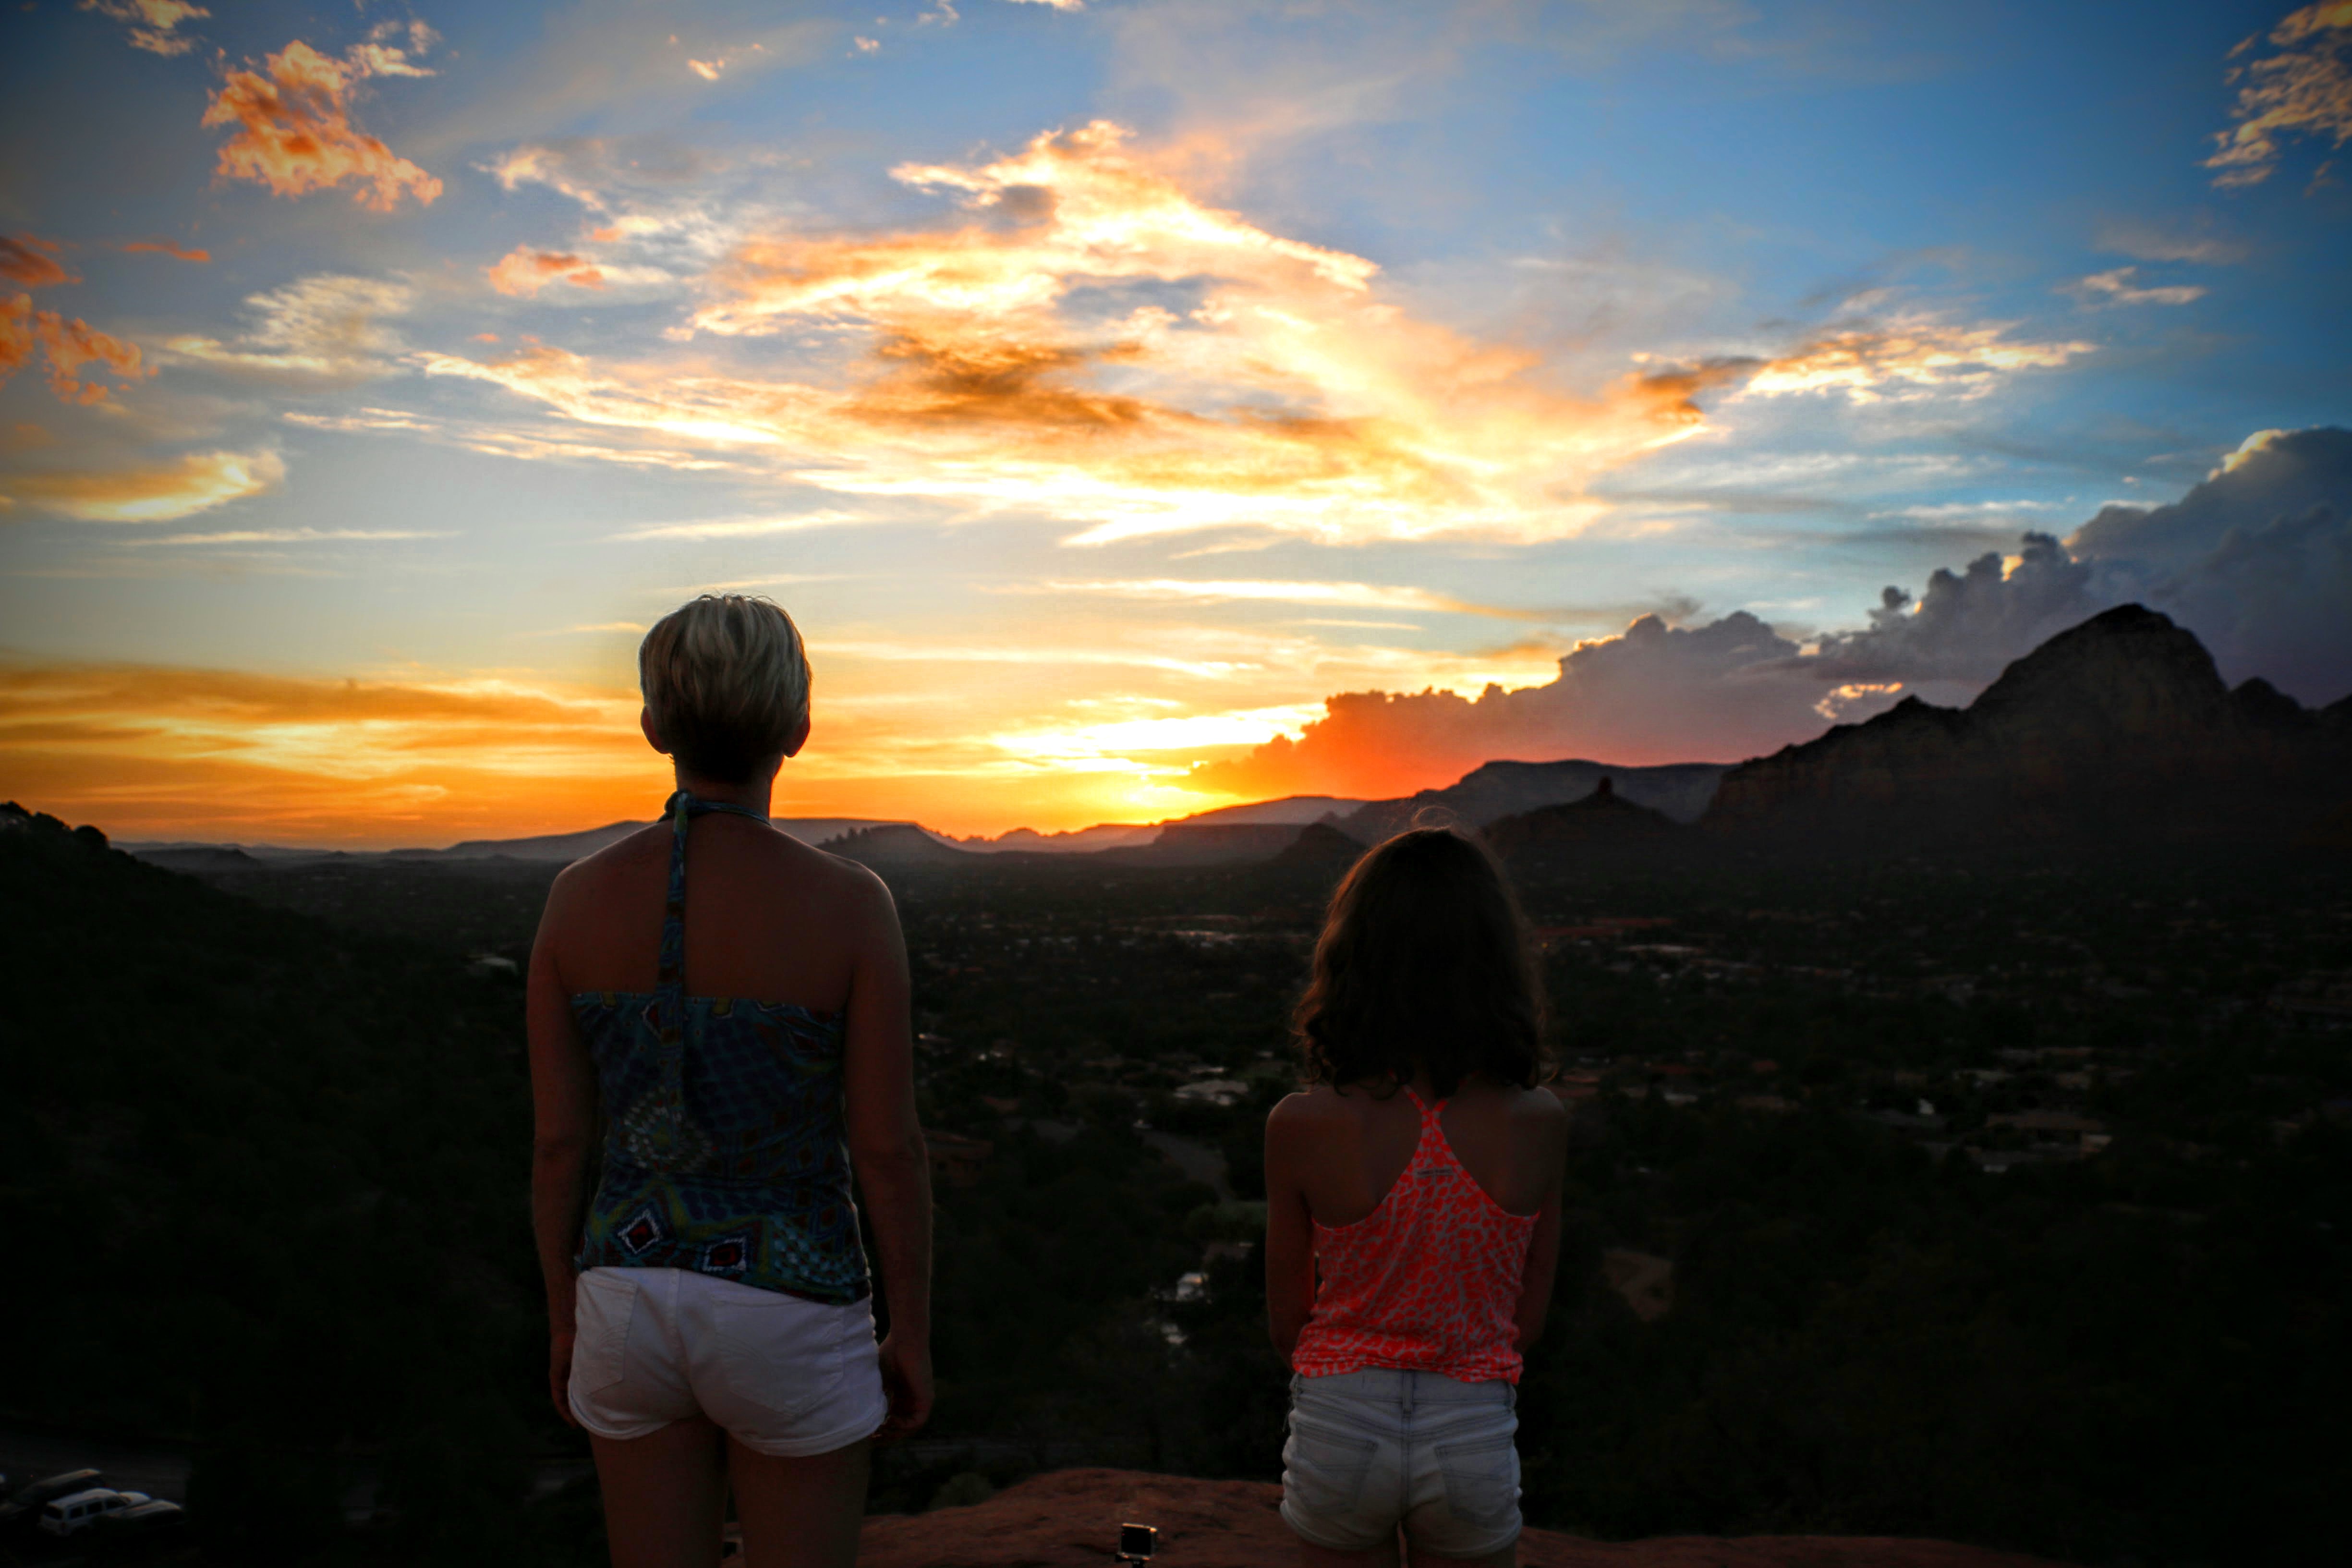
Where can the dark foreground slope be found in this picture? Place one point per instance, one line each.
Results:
(2117, 734)
(266, 1187)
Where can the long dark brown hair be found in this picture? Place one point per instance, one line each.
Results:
(1424, 965)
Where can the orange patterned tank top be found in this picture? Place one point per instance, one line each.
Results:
(1429, 1281)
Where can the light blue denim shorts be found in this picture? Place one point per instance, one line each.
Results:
(1372, 1449)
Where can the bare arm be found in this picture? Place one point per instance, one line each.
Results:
(563, 1125)
(887, 1152)
(1289, 1232)
(1543, 1247)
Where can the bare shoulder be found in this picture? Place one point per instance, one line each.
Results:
(858, 889)
(1539, 1105)
(594, 877)
(1317, 1105)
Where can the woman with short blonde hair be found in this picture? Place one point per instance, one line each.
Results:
(707, 1293)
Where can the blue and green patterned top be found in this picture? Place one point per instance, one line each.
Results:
(723, 1147)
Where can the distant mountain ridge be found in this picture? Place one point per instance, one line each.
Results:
(2119, 729)
(1496, 790)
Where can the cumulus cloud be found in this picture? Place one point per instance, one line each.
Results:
(70, 345)
(2115, 286)
(1967, 626)
(2302, 90)
(293, 131)
(2256, 560)
(524, 271)
(31, 262)
(148, 492)
(154, 24)
(329, 326)
(1654, 694)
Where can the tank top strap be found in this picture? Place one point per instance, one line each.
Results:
(669, 982)
(667, 1013)
(1425, 1151)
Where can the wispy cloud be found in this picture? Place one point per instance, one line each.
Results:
(740, 527)
(2302, 90)
(1908, 356)
(31, 261)
(147, 492)
(151, 750)
(329, 326)
(2115, 286)
(293, 536)
(1362, 596)
(168, 248)
(2157, 242)
(1094, 342)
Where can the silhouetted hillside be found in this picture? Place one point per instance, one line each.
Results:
(2117, 733)
(1485, 794)
(271, 1177)
(1207, 843)
(1319, 848)
(1603, 822)
(893, 844)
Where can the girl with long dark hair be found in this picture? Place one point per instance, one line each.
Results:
(1412, 1218)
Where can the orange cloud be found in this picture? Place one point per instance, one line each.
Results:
(2304, 90)
(31, 262)
(153, 492)
(168, 248)
(1092, 342)
(525, 271)
(1653, 694)
(155, 23)
(151, 752)
(1286, 396)
(294, 131)
(70, 345)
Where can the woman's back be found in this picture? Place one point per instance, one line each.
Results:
(767, 918)
(721, 1070)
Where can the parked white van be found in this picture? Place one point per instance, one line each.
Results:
(68, 1515)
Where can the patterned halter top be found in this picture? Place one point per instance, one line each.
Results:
(723, 1148)
(1429, 1281)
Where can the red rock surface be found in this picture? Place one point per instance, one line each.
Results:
(1070, 1519)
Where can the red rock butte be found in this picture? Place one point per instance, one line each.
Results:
(1070, 1519)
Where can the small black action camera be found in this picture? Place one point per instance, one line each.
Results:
(1136, 1542)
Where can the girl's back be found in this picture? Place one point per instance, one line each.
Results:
(1412, 1210)
(1428, 1217)
(1356, 1145)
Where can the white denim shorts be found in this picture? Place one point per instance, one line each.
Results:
(1372, 1449)
(786, 1376)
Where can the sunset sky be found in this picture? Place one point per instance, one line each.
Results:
(1123, 395)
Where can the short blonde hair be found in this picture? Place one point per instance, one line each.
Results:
(726, 681)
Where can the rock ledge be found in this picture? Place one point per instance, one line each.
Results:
(1070, 1519)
